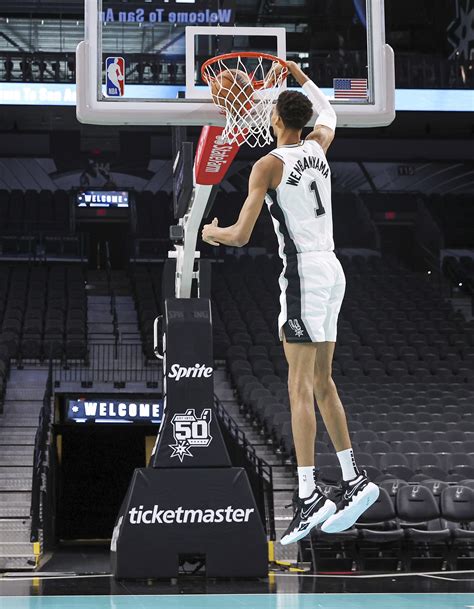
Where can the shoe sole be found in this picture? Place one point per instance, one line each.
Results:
(328, 509)
(349, 517)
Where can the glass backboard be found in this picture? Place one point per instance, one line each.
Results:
(140, 61)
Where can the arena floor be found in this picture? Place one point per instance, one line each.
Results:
(247, 601)
(81, 579)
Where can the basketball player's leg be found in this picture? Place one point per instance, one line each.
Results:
(312, 507)
(331, 409)
(357, 493)
(301, 359)
(327, 397)
(325, 391)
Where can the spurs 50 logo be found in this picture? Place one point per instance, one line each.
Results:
(190, 431)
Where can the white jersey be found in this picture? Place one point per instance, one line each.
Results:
(301, 205)
(312, 281)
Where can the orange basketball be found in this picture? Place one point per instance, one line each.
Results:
(232, 91)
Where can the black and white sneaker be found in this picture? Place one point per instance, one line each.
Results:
(354, 498)
(309, 513)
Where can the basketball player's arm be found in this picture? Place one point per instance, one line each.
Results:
(238, 235)
(325, 127)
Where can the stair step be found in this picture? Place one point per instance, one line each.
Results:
(128, 297)
(221, 375)
(99, 318)
(11, 498)
(283, 476)
(26, 407)
(283, 485)
(233, 410)
(17, 450)
(16, 472)
(282, 502)
(14, 485)
(281, 513)
(14, 548)
(224, 394)
(100, 327)
(18, 563)
(9, 421)
(16, 536)
(18, 525)
(18, 431)
(19, 510)
(6, 440)
(34, 374)
(16, 460)
(128, 327)
(98, 302)
(22, 393)
(127, 316)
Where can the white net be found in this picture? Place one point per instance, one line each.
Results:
(244, 88)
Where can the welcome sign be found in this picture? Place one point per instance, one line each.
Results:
(188, 12)
(112, 410)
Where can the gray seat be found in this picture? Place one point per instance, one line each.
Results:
(422, 459)
(379, 524)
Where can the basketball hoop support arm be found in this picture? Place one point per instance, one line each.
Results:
(186, 254)
(213, 159)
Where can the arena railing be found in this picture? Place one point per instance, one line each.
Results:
(42, 492)
(113, 300)
(4, 374)
(260, 474)
(109, 363)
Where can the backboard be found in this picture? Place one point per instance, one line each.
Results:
(140, 61)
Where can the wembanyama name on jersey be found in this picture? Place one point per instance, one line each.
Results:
(301, 204)
(308, 162)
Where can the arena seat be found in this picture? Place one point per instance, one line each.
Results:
(379, 524)
(33, 312)
(420, 515)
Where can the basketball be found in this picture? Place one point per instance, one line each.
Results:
(232, 91)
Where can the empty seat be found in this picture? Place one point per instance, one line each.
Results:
(330, 473)
(321, 447)
(375, 447)
(391, 485)
(463, 471)
(378, 523)
(456, 459)
(395, 435)
(419, 510)
(327, 459)
(436, 487)
(422, 459)
(364, 436)
(390, 459)
(430, 471)
(457, 506)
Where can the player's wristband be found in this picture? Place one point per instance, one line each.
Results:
(321, 105)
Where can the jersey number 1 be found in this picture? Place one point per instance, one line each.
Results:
(319, 210)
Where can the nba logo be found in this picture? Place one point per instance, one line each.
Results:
(115, 76)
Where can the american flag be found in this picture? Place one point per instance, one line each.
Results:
(350, 88)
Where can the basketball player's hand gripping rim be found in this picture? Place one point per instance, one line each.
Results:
(208, 232)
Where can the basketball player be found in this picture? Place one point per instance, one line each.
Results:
(295, 181)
